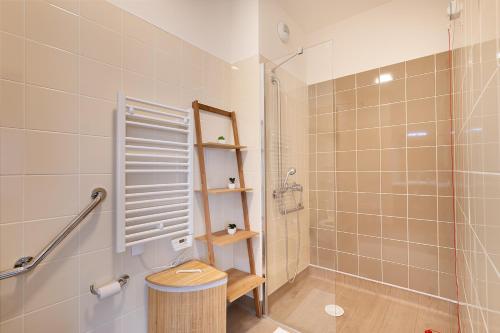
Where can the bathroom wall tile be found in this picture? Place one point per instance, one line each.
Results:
(369, 225)
(369, 182)
(393, 137)
(11, 298)
(423, 256)
(393, 205)
(324, 88)
(324, 104)
(420, 86)
(96, 155)
(69, 5)
(103, 13)
(368, 138)
(424, 280)
(51, 110)
(392, 91)
(393, 182)
(50, 67)
(11, 199)
(137, 28)
(59, 195)
(370, 268)
(420, 159)
(327, 239)
(344, 83)
(96, 116)
(367, 96)
(99, 268)
(369, 203)
(51, 153)
(422, 134)
(345, 100)
(14, 325)
(397, 71)
(422, 182)
(327, 258)
(367, 117)
(139, 57)
(346, 181)
(12, 58)
(62, 317)
(395, 251)
(395, 274)
(422, 207)
(367, 78)
(12, 104)
(99, 43)
(346, 222)
(370, 246)
(393, 159)
(99, 80)
(421, 110)
(368, 160)
(51, 25)
(393, 114)
(138, 86)
(347, 263)
(12, 19)
(345, 120)
(52, 282)
(12, 148)
(11, 244)
(345, 140)
(347, 242)
(443, 82)
(394, 228)
(168, 68)
(420, 66)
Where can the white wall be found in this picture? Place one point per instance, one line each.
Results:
(224, 28)
(388, 34)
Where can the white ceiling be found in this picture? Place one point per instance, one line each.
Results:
(313, 15)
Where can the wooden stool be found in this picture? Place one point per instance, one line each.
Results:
(187, 302)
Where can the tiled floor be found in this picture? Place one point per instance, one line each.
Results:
(369, 307)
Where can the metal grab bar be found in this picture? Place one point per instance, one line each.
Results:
(25, 264)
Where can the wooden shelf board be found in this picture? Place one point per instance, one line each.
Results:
(226, 190)
(239, 283)
(222, 238)
(216, 145)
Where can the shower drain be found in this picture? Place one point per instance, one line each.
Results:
(334, 310)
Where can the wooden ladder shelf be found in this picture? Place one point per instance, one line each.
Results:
(239, 283)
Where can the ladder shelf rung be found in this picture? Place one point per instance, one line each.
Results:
(226, 190)
(240, 283)
(221, 238)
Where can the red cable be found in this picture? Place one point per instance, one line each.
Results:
(453, 176)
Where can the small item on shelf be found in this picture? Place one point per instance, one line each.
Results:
(231, 184)
(231, 228)
(221, 139)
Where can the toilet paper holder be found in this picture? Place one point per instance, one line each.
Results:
(122, 280)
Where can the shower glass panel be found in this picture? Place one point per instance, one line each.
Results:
(300, 203)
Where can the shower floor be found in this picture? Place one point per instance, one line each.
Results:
(369, 307)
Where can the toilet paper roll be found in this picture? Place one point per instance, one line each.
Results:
(110, 289)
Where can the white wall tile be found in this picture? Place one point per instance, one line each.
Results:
(96, 116)
(97, 232)
(12, 58)
(96, 154)
(100, 43)
(99, 80)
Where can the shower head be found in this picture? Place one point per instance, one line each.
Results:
(290, 172)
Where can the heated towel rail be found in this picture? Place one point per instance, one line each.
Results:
(26, 264)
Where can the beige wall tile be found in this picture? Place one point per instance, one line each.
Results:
(424, 280)
(346, 222)
(102, 13)
(11, 298)
(62, 317)
(420, 86)
(10, 245)
(100, 43)
(369, 182)
(11, 199)
(395, 274)
(96, 116)
(51, 68)
(12, 104)
(347, 242)
(324, 104)
(420, 159)
(12, 151)
(345, 140)
(327, 239)
(367, 78)
(51, 25)
(327, 258)
(421, 110)
(392, 91)
(99, 80)
(51, 110)
(345, 100)
(345, 120)
(368, 139)
(370, 246)
(139, 57)
(423, 256)
(422, 182)
(420, 65)
(397, 70)
(96, 155)
(393, 182)
(59, 195)
(137, 28)
(422, 207)
(393, 159)
(346, 181)
(393, 205)
(347, 263)
(393, 114)
(369, 203)
(370, 268)
(346, 201)
(443, 82)
(394, 228)
(422, 134)
(14, 325)
(324, 88)
(369, 225)
(368, 160)
(395, 251)
(50, 283)
(367, 117)
(51, 153)
(367, 96)
(12, 58)
(12, 19)
(393, 137)
(344, 83)
(138, 85)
